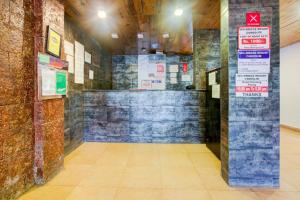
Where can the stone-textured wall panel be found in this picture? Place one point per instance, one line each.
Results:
(144, 117)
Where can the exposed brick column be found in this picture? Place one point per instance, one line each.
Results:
(48, 114)
(250, 126)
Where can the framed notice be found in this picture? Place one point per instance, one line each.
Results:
(252, 85)
(254, 38)
(53, 46)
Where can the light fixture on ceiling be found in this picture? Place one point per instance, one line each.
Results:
(114, 35)
(101, 14)
(140, 35)
(178, 12)
(166, 35)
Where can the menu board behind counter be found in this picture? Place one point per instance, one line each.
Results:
(52, 77)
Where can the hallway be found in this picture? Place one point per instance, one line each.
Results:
(98, 171)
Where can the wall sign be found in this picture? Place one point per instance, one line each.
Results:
(185, 67)
(173, 68)
(253, 19)
(254, 61)
(253, 38)
(87, 57)
(53, 42)
(79, 63)
(252, 85)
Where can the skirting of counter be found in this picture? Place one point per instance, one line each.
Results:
(144, 116)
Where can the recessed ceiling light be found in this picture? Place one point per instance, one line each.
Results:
(166, 35)
(114, 35)
(101, 14)
(178, 12)
(140, 35)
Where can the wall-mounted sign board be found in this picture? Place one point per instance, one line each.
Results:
(253, 19)
(212, 78)
(173, 68)
(254, 61)
(52, 81)
(215, 91)
(79, 63)
(252, 85)
(254, 38)
(87, 57)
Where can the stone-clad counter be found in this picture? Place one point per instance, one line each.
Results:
(144, 116)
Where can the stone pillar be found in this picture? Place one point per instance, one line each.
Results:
(48, 114)
(249, 126)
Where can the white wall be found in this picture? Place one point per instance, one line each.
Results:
(290, 85)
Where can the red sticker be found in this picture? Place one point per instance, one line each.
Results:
(253, 19)
(185, 67)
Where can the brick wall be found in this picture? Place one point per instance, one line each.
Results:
(101, 65)
(16, 97)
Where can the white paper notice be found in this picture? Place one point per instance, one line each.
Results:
(48, 81)
(87, 57)
(173, 68)
(79, 63)
(186, 78)
(252, 85)
(70, 59)
(69, 48)
(253, 38)
(173, 75)
(91, 74)
(173, 81)
(216, 92)
(212, 78)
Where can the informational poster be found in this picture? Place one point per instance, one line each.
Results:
(212, 78)
(69, 48)
(53, 42)
(48, 81)
(87, 57)
(70, 60)
(61, 83)
(215, 91)
(173, 75)
(173, 68)
(79, 63)
(254, 38)
(91, 74)
(252, 85)
(254, 61)
(173, 81)
(152, 72)
(186, 78)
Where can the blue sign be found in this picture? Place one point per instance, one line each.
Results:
(254, 54)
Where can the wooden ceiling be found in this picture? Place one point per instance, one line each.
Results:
(289, 22)
(155, 17)
(150, 17)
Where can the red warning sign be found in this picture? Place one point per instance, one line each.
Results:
(253, 19)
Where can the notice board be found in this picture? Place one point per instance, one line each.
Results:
(152, 72)
(52, 77)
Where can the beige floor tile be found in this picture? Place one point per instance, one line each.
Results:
(196, 148)
(171, 148)
(47, 193)
(71, 175)
(215, 183)
(204, 160)
(181, 178)
(138, 194)
(120, 147)
(185, 195)
(278, 195)
(142, 177)
(145, 148)
(110, 158)
(149, 159)
(233, 195)
(175, 159)
(92, 193)
(105, 176)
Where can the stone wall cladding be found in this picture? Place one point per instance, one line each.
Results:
(206, 54)
(16, 98)
(125, 71)
(144, 117)
(250, 131)
(101, 65)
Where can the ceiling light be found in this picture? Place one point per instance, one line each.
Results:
(178, 12)
(140, 35)
(114, 35)
(166, 35)
(101, 14)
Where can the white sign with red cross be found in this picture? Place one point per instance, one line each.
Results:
(253, 19)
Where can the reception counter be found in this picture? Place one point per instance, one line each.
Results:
(144, 116)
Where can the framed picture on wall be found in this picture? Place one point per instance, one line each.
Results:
(53, 46)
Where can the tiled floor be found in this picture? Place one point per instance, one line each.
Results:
(97, 171)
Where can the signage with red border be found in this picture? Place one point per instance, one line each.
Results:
(185, 67)
(254, 37)
(252, 85)
(253, 19)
